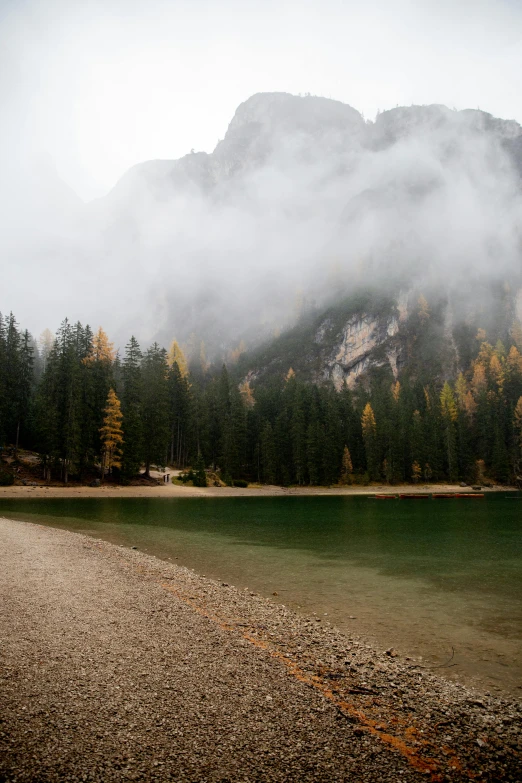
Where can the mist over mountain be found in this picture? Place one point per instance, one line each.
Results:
(303, 202)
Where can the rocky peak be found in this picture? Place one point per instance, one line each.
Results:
(268, 122)
(406, 121)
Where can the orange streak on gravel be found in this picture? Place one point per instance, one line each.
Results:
(421, 764)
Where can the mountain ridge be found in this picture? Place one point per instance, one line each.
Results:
(253, 116)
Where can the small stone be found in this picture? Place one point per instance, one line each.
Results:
(134, 547)
(392, 653)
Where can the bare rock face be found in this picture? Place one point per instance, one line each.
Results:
(352, 356)
(298, 127)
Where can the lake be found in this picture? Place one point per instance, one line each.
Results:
(426, 577)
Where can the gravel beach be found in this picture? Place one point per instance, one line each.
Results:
(117, 666)
(161, 490)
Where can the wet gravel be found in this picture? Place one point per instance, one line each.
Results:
(117, 666)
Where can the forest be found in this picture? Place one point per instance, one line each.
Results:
(86, 411)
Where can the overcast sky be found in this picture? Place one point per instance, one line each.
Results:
(97, 86)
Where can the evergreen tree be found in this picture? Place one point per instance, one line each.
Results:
(132, 396)
(268, 454)
(449, 417)
(517, 438)
(180, 416)
(234, 436)
(155, 407)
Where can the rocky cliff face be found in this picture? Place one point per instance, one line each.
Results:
(355, 338)
(354, 351)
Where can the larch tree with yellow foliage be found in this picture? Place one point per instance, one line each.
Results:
(111, 435)
(176, 355)
(369, 431)
(347, 467)
(102, 349)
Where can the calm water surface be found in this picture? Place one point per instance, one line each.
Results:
(424, 576)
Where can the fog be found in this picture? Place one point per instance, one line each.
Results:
(303, 199)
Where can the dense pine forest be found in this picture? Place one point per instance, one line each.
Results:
(86, 411)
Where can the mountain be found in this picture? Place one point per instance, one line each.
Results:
(433, 339)
(302, 200)
(283, 128)
(423, 199)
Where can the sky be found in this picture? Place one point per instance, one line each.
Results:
(92, 87)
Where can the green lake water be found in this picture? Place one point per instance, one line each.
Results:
(423, 576)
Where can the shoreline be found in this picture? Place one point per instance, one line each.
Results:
(363, 706)
(176, 491)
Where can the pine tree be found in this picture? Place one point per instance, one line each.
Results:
(298, 435)
(417, 446)
(268, 454)
(517, 439)
(449, 416)
(180, 416)
(132, 396)
(59, 406)
(155, 407)
(234, 436)
(111, 435)
(200, 476)
(25, 383)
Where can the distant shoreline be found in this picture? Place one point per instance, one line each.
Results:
(176, 491)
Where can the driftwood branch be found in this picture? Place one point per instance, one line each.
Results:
(439, 665)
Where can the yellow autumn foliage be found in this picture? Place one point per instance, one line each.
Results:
(447, 403)
(102, 350)
(247, 394)
(111, 434)
(368, 423)
(176, 355)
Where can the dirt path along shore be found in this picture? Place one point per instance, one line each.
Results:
(116, 666)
